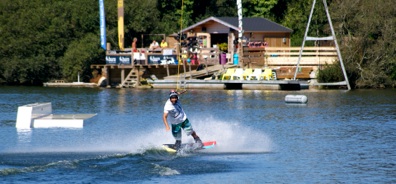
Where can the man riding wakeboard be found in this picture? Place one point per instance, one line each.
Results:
(178, 120)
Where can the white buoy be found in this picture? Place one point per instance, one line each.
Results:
(296, 99)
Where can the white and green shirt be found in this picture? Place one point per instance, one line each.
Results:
(175, 112)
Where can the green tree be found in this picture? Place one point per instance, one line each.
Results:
(216, 8)
(33, 40)
(140, 17)
(367, 38)
(79, 56)
(258, 8)
(296, 18)
(330, 73)
(178, 12)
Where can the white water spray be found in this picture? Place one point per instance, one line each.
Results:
(231, 137)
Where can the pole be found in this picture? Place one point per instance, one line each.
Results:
(102, 20)
(240, 29)
(336, 44)
(305, 37)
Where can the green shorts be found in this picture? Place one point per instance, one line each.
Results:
(176, 129)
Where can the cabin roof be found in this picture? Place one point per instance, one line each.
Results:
(249, 24)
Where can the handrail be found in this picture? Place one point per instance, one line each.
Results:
(290, 48)
(275, 56)
(266, 55)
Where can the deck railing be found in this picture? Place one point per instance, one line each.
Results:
(268, 56)
(288, 56)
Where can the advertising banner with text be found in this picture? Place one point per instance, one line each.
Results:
(123, 60)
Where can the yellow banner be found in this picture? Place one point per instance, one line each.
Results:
(120, 8)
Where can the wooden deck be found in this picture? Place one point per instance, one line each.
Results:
(124, 67)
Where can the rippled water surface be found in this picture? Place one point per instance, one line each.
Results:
(338, 137)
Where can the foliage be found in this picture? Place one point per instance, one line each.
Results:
(297, 16)
(79, 56)
(54, 39)
(258, 8)
(330, 73)
(223, 47)
(34, 35)
(367, 32)
(140, 17)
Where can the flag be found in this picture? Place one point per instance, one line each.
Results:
(102, 21)
(120, 8)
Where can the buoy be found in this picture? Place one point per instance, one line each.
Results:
(296, 99)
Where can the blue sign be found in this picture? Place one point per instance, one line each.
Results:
(102, 21)
(122, 60)
(162, 59)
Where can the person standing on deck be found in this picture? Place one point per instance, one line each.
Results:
(178, 119)
(134, 45)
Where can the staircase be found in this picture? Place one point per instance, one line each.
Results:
(131, 80)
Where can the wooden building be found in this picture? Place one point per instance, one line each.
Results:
(266, 45)
(258, 32)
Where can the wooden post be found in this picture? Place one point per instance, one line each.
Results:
(108, 47)
(206, 66)
(138, 76)
(146, 58)
(184, 69)
(189, 66)
(122, 75)
(200, 57)
(132, 59)
(105, 72)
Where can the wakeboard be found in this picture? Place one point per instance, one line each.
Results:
(190, 147)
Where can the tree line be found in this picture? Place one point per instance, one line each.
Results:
(43, 40)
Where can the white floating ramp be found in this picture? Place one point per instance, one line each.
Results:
(39, 115)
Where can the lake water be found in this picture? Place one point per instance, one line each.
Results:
(337, 137)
